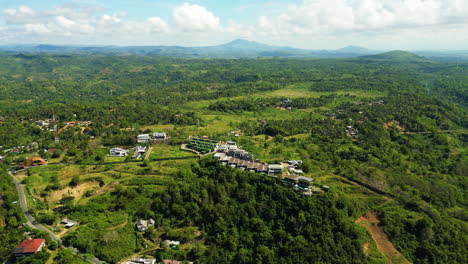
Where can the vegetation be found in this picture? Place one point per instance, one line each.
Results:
(388, 134)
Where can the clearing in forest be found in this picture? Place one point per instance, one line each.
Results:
(370, 222)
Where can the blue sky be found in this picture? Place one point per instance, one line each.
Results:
(312, 24)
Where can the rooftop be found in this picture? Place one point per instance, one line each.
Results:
(29, 246)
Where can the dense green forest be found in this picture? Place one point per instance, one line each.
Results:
(387, 133)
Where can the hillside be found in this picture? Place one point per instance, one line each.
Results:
(397, 55)
(382, 135)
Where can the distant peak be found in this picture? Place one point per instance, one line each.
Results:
(353, 48)
(240, 41)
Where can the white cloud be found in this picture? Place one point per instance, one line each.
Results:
(339, 16)
(195, 18)
(308, 24)
(18, 16)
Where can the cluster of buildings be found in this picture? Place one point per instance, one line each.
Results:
(153, 261)
(78, 123)
(156, 137)
(230, 154)
(139, 151)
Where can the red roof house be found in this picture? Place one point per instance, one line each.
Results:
(28, 247)
(168, 261)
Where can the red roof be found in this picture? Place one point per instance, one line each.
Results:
(168, 261)
(29, 246)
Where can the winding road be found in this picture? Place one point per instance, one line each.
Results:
(31, 222)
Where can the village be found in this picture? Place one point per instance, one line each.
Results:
(227, 153)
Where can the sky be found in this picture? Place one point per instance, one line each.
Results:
(307, 24)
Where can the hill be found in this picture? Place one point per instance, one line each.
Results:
(238, 48)
(396, 55)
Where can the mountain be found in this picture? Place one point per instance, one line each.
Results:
(396, 55)
(238, 48)
(355, 49)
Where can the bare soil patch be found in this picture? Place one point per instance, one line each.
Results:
(370, 222)
(76, 192)
(393, 124)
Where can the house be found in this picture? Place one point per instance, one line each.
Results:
(291, 180)
(143, 225)
(141, 261)
(43, 122)
(139, 151)
(294, 162)
(223, 148)
(173, 244)
(304, 183)
(252, 166)
(28, 247)
(159, 137)
(169, 261)
(68, 223)
(118, 152)
(275, 169)
(224, 159)
(263, 169)
(233, 162)
(295, 170)
(219, 156)
(143, 138)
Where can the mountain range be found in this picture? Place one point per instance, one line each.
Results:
(235, 49)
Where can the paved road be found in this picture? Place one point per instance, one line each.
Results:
(30, 221)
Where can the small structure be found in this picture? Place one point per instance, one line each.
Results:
(28, 247)
(143, 138)
(325, 188)
(143, 225)
(275, 169)
(141, 261)
(139, 151)
(118, 152)
(219, 155)
(295, 170)
(159, 137)
(68, 223)
(43, 122)
(291, 180)
(170, 261)
(304, 183)
(33, 162)
(252, 166)
(173, 244)
(262, 169)
(294, 162)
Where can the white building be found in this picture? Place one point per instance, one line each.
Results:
(143, 138)
(118, 152)
(141, 261)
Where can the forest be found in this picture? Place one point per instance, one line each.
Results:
(388, 135)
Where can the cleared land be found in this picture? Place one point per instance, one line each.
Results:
(385, 246)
